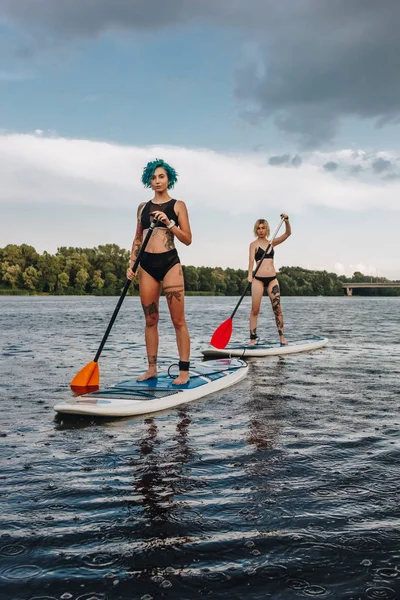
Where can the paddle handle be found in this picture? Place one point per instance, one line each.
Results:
(125, 290)
(256, 269)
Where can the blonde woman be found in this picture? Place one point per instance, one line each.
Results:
(265, 281)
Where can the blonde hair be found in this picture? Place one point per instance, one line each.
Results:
(261, 222)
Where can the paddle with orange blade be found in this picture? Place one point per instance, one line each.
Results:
(88, 378)
(222, 334)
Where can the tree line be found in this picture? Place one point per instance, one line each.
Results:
(102, 271)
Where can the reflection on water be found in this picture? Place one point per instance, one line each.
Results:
(284, 486)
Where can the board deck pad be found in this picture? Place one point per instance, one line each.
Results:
(267, 348)
(130, 397)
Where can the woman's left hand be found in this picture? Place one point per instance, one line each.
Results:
(284, 217)
(161, 216)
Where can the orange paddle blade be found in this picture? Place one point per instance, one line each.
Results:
(222, 334)
(89, 376)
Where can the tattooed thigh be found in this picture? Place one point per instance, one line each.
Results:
(276, 290)
(150, 309)
(172, 292)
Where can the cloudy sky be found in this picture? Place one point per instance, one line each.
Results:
(263, 107)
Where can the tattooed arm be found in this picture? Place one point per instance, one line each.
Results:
(137, 242)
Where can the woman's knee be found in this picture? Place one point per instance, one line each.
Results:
(255, 312)
(152, 320)
(179, 322)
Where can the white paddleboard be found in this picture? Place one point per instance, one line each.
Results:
(266, 349)
(131, 397)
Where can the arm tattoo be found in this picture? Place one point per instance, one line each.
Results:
(150, 309)
(137, 242)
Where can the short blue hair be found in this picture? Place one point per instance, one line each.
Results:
(151, 166)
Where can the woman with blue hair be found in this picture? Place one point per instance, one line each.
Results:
(160, 265)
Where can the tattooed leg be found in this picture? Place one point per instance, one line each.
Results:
(257, 290)
(149, 295)
(174, 293)
(151, 337)
(275, 297)
(174, 290)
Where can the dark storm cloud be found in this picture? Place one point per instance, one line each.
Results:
(279, 160)
(285, 159)
(296, 161)
(330, 166)
(381, 164)
(391, 177)
(325, 62)
(356, 169)
(315, 62)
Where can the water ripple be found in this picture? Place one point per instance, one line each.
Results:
(287, 484)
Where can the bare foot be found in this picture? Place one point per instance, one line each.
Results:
(283, 340)
(182, 378)
(252, 342)
(150, 374)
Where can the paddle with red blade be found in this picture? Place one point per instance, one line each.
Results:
(88, 378)
(222, 334)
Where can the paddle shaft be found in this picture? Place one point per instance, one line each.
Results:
(256, 269)
(124, 291)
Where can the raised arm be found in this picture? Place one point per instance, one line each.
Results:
(252, 252)
(288, 232)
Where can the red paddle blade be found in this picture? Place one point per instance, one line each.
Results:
(222, 334)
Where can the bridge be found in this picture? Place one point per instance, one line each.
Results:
(349, 287)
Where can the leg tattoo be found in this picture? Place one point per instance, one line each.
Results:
(150, 309)
(172, 292)
(276, 307)
(152, 358)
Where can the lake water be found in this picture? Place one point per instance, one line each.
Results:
(285, 486)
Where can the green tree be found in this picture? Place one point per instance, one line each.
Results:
(81, 279)
(191, 277)
(207, 281)
(31, 278)
(49, 267)
(97, 281)
(11, 274)
(62, 281)
(220, 280)
(111, 284)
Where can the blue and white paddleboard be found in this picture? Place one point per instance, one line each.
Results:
(266, 349)
(131, 397)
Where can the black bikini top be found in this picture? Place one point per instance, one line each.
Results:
(260, 252)
(166, 207)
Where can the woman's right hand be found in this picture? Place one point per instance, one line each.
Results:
(130, 274)
(250, 279)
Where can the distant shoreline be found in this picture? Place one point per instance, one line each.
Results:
(11, 293)
(101, 271)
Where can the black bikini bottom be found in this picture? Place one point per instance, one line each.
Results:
(265, 280)
(157, 264)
